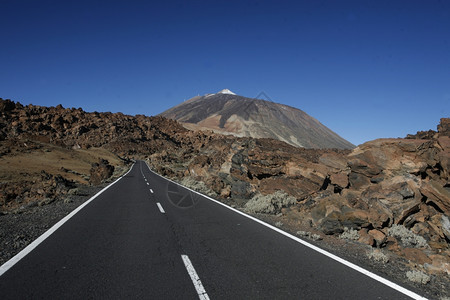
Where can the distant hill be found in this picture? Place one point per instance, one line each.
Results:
(228, 113)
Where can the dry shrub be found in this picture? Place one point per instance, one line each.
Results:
(407, 237)
(418, 277)
(349, 234)
(269, 204)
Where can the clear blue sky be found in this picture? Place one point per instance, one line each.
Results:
(365, 69)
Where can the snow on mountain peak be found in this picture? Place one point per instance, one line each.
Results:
(226, 91)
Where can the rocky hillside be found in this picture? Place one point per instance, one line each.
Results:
(389, 194)
(227, 113)
(46, 152)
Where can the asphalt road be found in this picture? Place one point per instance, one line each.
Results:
(135, 241)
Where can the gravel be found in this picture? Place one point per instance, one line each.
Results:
(20, 228)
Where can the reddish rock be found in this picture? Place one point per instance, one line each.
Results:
(358, 181)
(444, 127)
(100, 172)
(392, 244)
(365, 238)
(378, 236)
(415, 255)
(440, 265)
(354, 218)
(339, 179)
(436, 194)
(334, 160)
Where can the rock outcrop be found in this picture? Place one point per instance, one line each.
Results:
(386, 183)
(100, 171)
(19, 195)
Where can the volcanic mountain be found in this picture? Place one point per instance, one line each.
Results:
(228, 113)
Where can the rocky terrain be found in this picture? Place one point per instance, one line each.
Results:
(228, 113)
(389, 194)
(388, 199)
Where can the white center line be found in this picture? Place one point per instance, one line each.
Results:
(148, 183)
(151, 191)
(161, 209)
(315, 248)
(195, 279)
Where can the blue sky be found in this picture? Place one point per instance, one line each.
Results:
(365, 69)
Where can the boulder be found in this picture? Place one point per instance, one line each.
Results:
(100, 171)
(333, 160)
(437, 195)
(415, 255)
(378, 236)
(366, 238)
(440, 265)
(340, 179)
(331, 225)
(444, 127)
(354, 218)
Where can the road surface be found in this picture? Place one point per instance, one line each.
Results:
(147, 238)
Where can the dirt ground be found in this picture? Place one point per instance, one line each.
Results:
(26, 160)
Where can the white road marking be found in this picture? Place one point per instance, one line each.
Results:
(161, 209)
(148, 183)
(7, 265)
(311, 246)
(151, 191)
(195, 279)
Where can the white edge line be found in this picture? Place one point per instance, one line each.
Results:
(194, 277)
(15, 259)
(326, 253)
(161, 209)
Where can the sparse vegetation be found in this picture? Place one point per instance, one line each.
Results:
(349, 234)
(269, 204)
(307, 234)
(378, 255)
(197, 185)
(407, 237)
(418, 277)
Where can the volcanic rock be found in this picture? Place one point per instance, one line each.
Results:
(100, 171)
(228, 113)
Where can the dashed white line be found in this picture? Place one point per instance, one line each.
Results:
(148, 183)
(161, 209)
(195, 279)
(315, 248)
(151, 191)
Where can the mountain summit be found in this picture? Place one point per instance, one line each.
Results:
(226, 91)
(228, 113)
